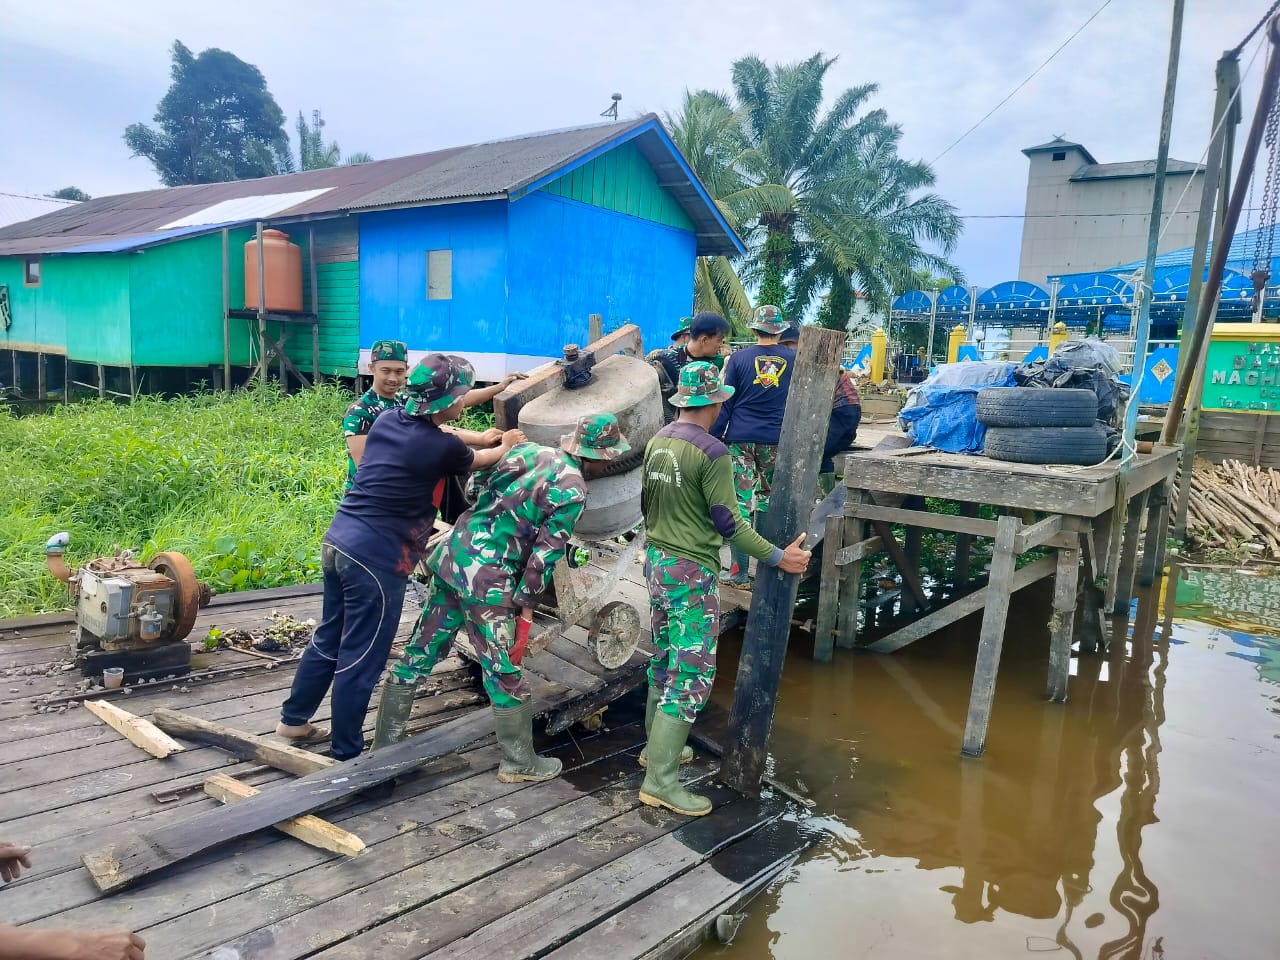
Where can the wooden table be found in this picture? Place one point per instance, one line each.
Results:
(1084, 516)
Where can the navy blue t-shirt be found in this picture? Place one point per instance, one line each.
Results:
(387, 516)
(761, 377)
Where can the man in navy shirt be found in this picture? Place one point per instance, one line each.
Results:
(374, 542)
(751, 420)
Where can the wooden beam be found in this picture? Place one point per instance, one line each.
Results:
(247, 746)
(1066, 584)
(795, 485)
(1038, 534)
(910, 576)
(133, 856)
(957, 610)
(824, 635)
(923, 518)
(991, 640)
(859, 551)
(964, 547)
(139, 732)
(507, 404)
(307, 828)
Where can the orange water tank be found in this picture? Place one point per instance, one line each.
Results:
(281, 273)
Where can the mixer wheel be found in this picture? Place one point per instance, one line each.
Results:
(186, 595)
(614, 634)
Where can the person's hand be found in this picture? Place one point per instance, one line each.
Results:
(795, 559)
(511, 437)
(491, 436)
(106, 945)
(12, 859)
(511, 378)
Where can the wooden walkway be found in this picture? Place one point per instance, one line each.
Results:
(456, 864)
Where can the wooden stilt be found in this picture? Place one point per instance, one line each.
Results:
(17, 383)
(1153, 547)
(829, 594)
(133, 381)
(911, 545)
(42, 377)
(851, 580)
(964, 548)
(1066, 584)
(1121, 592)
(102, 380)
(992, 639)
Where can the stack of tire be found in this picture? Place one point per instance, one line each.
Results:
(1042, 425)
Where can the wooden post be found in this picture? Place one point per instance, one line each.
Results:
(1153, 547)
(964, 549)
(992, 638)
(102, 381)
(226, 312)
(829, 592)
(764, 645)
(595, 327)
(1066, 584)
(133, 382)
(42, 380)
(1120, 590)
(264, 364)
(855, 531)
(315, 308)
(17, 387)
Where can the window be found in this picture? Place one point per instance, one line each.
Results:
(1060, 155)
(439, 274)
(31, 272)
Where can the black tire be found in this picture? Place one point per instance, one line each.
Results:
(1036, 407)
(1083, 446)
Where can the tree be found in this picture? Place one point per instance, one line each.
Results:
(217, 122)
(69, 193)
(314, 153)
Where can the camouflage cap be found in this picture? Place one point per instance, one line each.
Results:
(683, 329)
(597, 437)
(700, 386)
(388, 350)
(768, 319)
(435, 383)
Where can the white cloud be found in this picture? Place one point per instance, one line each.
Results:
(399, 77)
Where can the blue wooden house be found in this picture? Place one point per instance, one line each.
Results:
(499, 251)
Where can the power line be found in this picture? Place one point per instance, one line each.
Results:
(1061, 47)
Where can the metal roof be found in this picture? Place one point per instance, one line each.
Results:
(501, 169)
(1057, 143)
(1132, 168)
(16, 207)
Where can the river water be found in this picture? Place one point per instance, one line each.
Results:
(1141, 818)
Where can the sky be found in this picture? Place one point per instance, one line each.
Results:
(394, 78)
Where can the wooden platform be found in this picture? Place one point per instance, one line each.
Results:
(456, 863)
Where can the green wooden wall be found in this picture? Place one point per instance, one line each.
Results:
(622, 180)
(81, 307)
(338, 293)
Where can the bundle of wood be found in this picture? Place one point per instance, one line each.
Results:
(1233, 503)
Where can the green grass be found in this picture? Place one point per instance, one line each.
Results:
(244, 484)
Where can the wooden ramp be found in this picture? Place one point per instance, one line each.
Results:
(455, 863)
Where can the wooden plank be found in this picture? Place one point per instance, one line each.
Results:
(795, 486)
(1121, 591)
(1153, 548)
(1066, 584)
(507, 404)
(436, 879)
(910, 575)
(672, 921)
(140, 732)
(136, 856)
(247, 746)
(967, 605)
(307, 828)
(859, 551)
(923, 518)
(824, 634)
(534, 927)
(991, 639)
(850, 604)
(1038, 534)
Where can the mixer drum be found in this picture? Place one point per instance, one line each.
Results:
(627, 388)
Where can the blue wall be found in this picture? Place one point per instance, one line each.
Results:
(393, 277)
(568, 260)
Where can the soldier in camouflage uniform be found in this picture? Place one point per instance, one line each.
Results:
(678, 339)
(706, 337)
(690, 509)
(488, 576)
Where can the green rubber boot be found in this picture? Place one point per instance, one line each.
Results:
(650, 708)
(826, 483)
(661, 787)
(394, 708)
(514, 726)
(739, 574)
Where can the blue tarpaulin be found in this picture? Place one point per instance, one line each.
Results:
(943, 411)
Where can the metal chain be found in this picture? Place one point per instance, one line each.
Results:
(1265, 239)
(1256, 27)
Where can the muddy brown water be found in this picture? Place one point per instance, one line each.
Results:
(1141, 819)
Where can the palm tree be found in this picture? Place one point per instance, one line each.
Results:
(314, 153)
(823, 200)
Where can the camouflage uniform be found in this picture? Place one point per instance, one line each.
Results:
(753, 468)
(360, 415)
(684, 603)
(501, 554)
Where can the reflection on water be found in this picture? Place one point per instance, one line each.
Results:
(1139, 819)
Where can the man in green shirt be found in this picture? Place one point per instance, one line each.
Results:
(690, 509)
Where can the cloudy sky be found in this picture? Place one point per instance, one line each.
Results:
(395, 78)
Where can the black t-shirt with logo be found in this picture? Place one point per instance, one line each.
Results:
(761, 378)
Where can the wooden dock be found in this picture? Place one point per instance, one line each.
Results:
(455, 863)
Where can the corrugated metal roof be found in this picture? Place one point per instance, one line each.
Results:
(17, 207)
(501, 168)
(1133, 168)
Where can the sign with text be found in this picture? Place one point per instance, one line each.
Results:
(1243, 375)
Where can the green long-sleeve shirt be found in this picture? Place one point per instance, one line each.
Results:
(690, 507)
